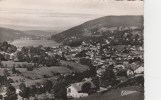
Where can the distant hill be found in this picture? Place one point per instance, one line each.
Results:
(7, 34)
(99, 27)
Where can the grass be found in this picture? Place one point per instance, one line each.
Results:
(76, 66)
(48, 71)
(14, 78)
(1, 71)
(30, 82)
(21, 69)
(11, 63)
(38, 74)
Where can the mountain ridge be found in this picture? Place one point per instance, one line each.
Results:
(89, 27)
(8, 34)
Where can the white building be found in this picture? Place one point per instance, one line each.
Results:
(139, 70)
(135, 69)
(75, 90)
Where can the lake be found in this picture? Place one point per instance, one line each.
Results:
(35, 43)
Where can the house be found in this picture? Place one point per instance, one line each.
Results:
(125, 62)
(75, 90)
(100, 71)
(130, 72)
(135, 69)
(3, 86)
(3, 91)
(139, 70)
(119, 67)
(13, 56)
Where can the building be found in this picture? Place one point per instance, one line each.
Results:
(135, 69)
(130, 72)
(139, 70)
(3, 91)
(75, 90)
(119, 67)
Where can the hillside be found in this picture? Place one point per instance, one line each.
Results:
(100, 27)
(7, 34)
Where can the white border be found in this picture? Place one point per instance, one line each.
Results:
(152, 45)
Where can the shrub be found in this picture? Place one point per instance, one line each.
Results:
(30, 67)
(6, 73)
(10, 80)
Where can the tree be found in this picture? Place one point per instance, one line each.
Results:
(11, 93)
(10, 80)
(6, 66)
(92, 70)
(85, 61)
(25, 50)
(14, 70)
(82, 53)
(38, 89)
(32, 90)
(20, 56)
(86, 87)
(108, 74)
(6, 73)
(48, 85)
(24, 91)
(1, 64)
(2, 57)
(19, 66)
(4, 46)
(59, 91)
(30, 67)
(108, 77)
(63, 56)
(4, 81)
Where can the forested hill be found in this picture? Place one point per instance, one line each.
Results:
(103, 26)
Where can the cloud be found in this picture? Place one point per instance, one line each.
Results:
(62, 13)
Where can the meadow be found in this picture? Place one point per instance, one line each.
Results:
(38, 75)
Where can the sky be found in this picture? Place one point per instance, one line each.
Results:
(61, 14)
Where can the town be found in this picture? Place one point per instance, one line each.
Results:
(68, 72)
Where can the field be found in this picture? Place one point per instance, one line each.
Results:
(43, 72)
(35, 76)
(30, 82)
(35, 43)
(77, 67)
(38, 75)
(1, 71)
(11, 63)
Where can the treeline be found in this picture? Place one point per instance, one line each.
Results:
(117, 37)
(6, 47)
(48, 88)
(37, 55)
(30, 54)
